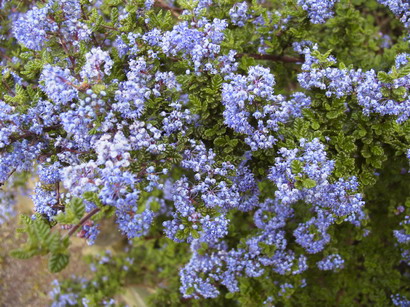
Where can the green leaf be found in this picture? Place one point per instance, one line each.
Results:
(404, 71)
(22, 254)
(57, 262)
(233, 142)
(68, 217)
(400, 92)
(209, 132)
(296, 166)
(315, 125)
(333, 114)
(89, 196)
(78, 207)
(229, 295)
(195, 234)
(219, 141)
(190, 290)
(216, 82)
(114, 15)
(298, 185)
(228, 149)
(41, 229)
(308, 183)
(384, 77)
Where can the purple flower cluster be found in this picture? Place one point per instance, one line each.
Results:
(135, 224)
(269, 247)
(9, 123)
(19, 158)
(403, 238)
(133, 93)
(371, 94)
(211, 188)
(337, 82)
(200, 274)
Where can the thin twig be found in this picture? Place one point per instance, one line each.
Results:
(58, 192)
(31, 134)
(8, 176)
(176, 12)
(82, 222)
(5, 56)
(110, 28)
(272, 57)
(11, 92)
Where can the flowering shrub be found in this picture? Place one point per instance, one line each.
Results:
(250, 152)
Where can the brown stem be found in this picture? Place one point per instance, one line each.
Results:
(31, 134)
(11, 92)
(176, 12)
(272, 57)
(84, 15)
(58, 192)
(70, 57)
(82, 221)
(110, 28)
(5, 56)
(8, 176)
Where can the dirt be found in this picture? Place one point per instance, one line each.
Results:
(26, 283)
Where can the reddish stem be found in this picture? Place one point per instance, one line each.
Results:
(82, 222)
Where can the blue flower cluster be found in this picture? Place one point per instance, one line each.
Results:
(399, 300)
(304, 175)
(239, 14)
(403, 238)
(318, 10)
(384, 96)
(269, 247)
(61, 299)
(33, 28)
(250, 99)
(98, 63)
(59, 85)
(45, 198)
(331, 262)
(9, 124)
(373, 94)
(400, 8)
(89, 231)
(199, 42)
(211, 189)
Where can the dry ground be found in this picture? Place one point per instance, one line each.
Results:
(26, 283)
